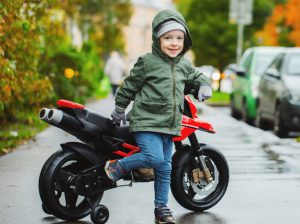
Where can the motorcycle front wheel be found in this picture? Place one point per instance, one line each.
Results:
(56, 195)
(199, 196)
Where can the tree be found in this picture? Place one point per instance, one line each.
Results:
(101, 20)
(283, 26)
(35, 49)
(19, 56)
(293, 20)
(214, 38)
(269, 35)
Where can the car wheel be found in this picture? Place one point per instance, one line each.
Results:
(245, 116)
(259, 121)
(233, 111)
(279, 127)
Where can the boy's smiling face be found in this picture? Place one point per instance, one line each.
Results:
(171, 43)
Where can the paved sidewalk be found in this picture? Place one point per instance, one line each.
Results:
(19, 171)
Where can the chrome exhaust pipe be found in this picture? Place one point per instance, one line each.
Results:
(63, 120)
(43, 114)
(55, 116)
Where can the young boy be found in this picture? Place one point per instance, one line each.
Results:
(156, 85)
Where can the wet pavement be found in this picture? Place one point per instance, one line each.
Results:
(264, 182)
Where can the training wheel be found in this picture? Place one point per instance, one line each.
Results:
(100, 214)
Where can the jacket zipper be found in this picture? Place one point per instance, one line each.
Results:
(174, 97)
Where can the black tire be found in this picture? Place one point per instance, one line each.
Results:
(279, 128)
(184, 189)
(245, 116)
(100, 214)
(56, 196)
(233, 111)
(46, 209)
(259, 121)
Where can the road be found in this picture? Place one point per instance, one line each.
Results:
(264, 183)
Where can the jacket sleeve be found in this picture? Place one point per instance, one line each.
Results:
(195, 78)
(131, 85)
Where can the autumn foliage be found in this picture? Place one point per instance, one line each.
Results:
(293, 20)
(283, 26)
(39, 61)
(20, 41)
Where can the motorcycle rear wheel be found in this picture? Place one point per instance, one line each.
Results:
(200, 196)
(56, 195)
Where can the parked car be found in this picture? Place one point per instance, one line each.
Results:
(211, 72)
(227, 77)
(244, 89)
(279, 94)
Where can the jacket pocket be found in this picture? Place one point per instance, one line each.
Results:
(154, 107)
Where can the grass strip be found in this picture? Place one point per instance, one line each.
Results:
(23, 128)
(219, 99)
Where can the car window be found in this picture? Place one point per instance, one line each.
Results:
(293, 65)
(263, 61)
(247, 61)
(277, 62)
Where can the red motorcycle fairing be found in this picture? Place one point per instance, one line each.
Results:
(132, 150)
(190, 125)
(69, 104)
(192, 106)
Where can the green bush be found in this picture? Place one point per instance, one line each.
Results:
(38, 63)
(75, 75)
(22, 87)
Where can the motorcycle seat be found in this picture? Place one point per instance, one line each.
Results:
(97, 119)
(123, 133)
(108, 127)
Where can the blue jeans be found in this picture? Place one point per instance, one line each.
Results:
(156, 152)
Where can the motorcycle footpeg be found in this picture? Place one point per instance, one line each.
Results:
(136, 176)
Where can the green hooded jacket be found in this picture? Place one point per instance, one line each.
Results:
(156, 84)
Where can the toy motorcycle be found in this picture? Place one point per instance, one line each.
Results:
(72, 181)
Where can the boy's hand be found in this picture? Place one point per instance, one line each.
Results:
(118, 115)
(204, 92)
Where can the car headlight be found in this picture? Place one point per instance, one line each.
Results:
(295, 97)
(254, 89)
(216, 76)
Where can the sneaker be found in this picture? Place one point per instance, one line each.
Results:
(163, 215)
(113, 170)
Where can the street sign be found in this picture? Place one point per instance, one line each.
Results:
(240, 12)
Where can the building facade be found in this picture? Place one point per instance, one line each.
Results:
(138, 34)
